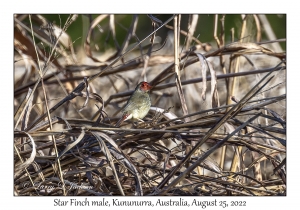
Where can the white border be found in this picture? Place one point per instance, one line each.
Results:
(8, 8)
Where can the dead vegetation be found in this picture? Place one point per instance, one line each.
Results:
(216, 126)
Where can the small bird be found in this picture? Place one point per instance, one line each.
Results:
(138, 104)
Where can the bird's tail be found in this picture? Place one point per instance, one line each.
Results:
(122, 119)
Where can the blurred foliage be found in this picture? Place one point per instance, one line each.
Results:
(204, 30)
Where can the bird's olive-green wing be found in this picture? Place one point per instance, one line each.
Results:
(136, 102)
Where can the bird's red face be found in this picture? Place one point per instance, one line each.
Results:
(145, 86)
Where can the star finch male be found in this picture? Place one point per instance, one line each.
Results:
(138, 104)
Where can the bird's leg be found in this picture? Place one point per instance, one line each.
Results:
(140, 120)
(134, 124)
